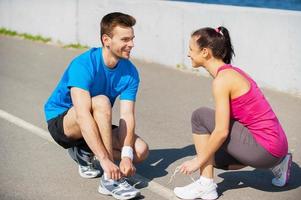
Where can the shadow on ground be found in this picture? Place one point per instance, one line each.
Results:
(258, 178)
(160, 159)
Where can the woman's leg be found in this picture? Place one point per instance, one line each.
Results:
(203, 123)
(200, 142)
(243, 147)
(204, 187)
(239, 150)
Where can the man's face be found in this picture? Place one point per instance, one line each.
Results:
(121, 42)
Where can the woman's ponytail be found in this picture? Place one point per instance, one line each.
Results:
(228, 48)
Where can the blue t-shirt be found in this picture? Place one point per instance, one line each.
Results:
(88, 72)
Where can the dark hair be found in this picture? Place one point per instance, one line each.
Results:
(218, 40)
(111, 20)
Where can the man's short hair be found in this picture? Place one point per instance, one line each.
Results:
(111, 20)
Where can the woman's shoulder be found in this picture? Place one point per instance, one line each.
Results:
(224, 81)
(225, 75)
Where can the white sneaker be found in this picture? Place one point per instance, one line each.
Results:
(197, 190)
(120, 189)
(88, 171)
(88, 166)
(282, 171)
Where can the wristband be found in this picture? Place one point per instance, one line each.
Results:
(127, 151)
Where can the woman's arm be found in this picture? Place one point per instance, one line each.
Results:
(221, 93)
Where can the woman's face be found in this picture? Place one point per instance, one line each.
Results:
(195, 53)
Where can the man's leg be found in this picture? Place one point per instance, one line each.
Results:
(101, 111)
(141, 149)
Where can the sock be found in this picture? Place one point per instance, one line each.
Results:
(105, 176)
(205, 180)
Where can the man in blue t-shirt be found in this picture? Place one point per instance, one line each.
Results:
(79, 111)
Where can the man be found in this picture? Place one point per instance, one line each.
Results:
(79, 111)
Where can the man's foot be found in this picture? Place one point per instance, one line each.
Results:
(197, 190)
(282, 171)
(120, 189)
(88, 171)
(86, 163)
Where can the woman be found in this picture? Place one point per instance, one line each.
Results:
(242, 131)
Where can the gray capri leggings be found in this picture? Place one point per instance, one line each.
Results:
(240, 148)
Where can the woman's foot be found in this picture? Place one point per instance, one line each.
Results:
(282, 171)
(197, 189)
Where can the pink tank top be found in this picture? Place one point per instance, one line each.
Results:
(254, 112)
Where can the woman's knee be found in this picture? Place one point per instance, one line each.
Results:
(202, 119)
(201, 112)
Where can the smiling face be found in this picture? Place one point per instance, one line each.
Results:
(121, 41)
(196, 54)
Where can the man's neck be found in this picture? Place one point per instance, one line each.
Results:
(109, 59)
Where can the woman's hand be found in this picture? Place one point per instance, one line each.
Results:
(190, 166)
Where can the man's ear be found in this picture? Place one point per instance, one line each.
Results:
(106, 40)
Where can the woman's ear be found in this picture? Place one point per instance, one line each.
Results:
(205, 52)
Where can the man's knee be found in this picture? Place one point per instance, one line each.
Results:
(141, 151)
(102, 104)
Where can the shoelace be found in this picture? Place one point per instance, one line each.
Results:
(277, 172)
(123, 185)
(175, 173)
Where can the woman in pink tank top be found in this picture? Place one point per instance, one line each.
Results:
(241, 131)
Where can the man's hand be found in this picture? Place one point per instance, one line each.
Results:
(110, 169)
(126, 167)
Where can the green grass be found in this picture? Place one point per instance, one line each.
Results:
(76, 46)
(181, 66)
(35, 37)
(4, 31)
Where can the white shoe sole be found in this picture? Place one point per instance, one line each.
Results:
(104, 191)
(211, 196)
(206, 197)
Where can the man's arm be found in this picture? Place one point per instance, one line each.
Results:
(127, 122)
(82, 103)
(127, 133)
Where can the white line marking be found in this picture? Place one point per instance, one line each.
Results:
(26, 125)
(152, 186)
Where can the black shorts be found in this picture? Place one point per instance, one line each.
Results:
(56, 129)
